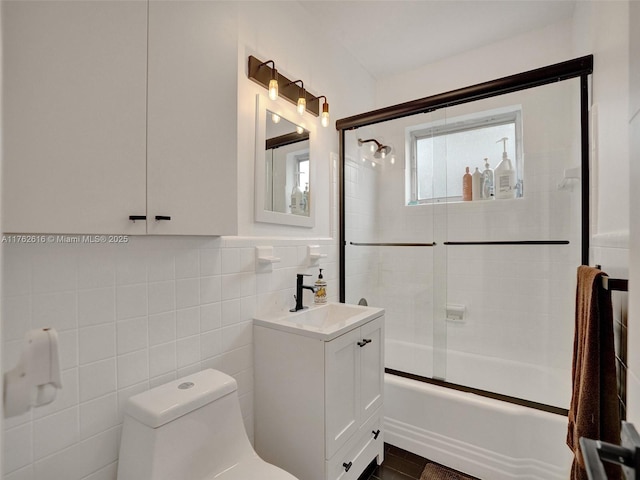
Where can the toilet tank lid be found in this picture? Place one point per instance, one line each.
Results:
(167, 402)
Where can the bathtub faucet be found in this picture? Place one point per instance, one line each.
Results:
(299, 289)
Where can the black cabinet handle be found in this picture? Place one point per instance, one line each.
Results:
(162, 217)
(347, 466)
(133, 218)
(375, 434)
(364, 342)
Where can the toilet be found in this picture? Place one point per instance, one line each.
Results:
(190, 429)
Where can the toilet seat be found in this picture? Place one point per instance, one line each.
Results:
(254, 469)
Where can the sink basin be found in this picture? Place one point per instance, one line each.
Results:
(325, 322)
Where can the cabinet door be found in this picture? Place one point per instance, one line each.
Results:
(192, 123)
(371, 366)
(74, 116)
(342, 393)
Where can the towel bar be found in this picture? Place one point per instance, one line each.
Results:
(627, 454)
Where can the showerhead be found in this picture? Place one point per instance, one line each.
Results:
(381, 151)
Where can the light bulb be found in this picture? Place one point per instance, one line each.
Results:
(299, 129)
(392, 159)
(275, 118)
(273, 89)
(373, 164)
(383, 154)
(325, 115)
(302, 105)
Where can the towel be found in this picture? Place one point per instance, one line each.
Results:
(594, 411)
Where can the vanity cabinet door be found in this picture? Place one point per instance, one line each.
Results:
(192, 122)
(342, 390)
(371, 367)
(74, 116)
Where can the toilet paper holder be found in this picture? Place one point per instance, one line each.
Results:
(34, 381)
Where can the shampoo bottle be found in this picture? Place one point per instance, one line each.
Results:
(476, 185)
(320, 295)
(296, 200)
(466, 186)
(487, 181)
(505, 175)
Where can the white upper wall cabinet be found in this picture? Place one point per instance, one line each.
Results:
(192, 132)
(115, 109)
(74, 116)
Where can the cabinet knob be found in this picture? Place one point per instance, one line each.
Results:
(375, 434)
(162, 217)
(347, 466)
(364, 342)
(133, 218)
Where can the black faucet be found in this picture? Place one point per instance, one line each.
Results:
(299, 287)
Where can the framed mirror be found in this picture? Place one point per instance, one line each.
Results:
(283, 165)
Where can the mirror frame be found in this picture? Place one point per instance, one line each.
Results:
(286, 111)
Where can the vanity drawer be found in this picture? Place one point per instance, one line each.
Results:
(351, 460)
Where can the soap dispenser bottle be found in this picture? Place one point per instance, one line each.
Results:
(476, 185)
(296, 200)
(505, 175)
(320, 295)
(466, 186)
(487, 181)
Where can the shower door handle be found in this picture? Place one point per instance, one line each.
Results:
(364, 342)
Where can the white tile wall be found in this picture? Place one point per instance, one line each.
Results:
(131, 317)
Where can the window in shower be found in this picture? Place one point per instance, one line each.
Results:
(441, 151)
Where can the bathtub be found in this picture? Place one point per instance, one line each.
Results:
(486, 438)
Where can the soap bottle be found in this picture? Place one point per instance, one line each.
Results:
(476, 185)
(487, 181)
(296, 200)
(466, 186)
(505, 175)
(320, 295)
(305, 199)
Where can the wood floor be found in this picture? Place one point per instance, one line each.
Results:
(398, 465)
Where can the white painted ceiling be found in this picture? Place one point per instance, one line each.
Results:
(392, 36)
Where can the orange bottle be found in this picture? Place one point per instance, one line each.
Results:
(467, 195)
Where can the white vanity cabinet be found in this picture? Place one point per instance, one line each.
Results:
(318, 403)
(119, 109)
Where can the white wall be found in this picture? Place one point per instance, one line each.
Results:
(633, 401)
(530, 50)
(133, 316)
(274, 30)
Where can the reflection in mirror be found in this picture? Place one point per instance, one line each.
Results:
(284, 171)
(286, 166)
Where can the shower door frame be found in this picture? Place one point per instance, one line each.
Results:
(580, 67)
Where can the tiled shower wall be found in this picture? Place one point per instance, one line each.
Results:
(129, 317)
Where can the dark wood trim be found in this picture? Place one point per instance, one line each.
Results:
(584, 174)
(342, 223)
(581, 66)
(286, 139)
(512, 242)
(483, 393)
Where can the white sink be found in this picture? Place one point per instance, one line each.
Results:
(325, 322)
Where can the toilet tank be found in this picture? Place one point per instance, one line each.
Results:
(187, 429)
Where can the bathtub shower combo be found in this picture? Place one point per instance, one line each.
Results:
(476, 274)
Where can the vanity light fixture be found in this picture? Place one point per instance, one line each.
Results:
(267, 76)
(324, 117)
